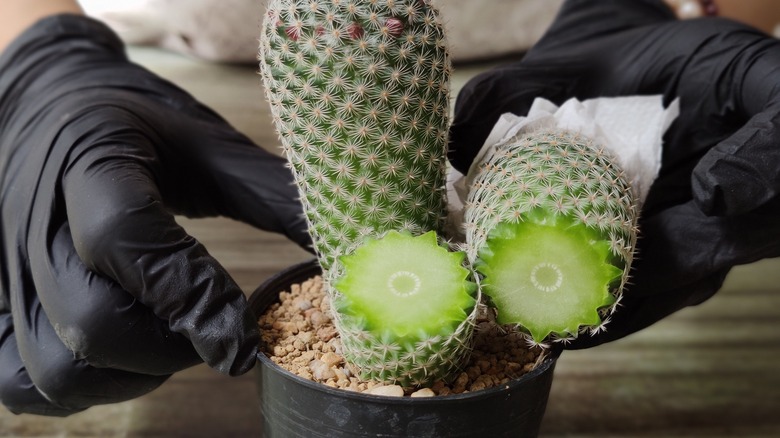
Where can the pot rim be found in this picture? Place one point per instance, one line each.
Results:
(302, 271)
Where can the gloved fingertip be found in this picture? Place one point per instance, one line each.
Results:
(299, 233)
(244, 363)
(239, 361)
(228, 339)
(246, 348)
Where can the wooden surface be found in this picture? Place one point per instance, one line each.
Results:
(708, 371)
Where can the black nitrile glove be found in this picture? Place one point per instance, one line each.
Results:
(102, 294)
(715, 204)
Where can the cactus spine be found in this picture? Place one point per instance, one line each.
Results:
(551, 224)
(359, 91)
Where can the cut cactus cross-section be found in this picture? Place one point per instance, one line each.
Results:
(406, 309)
(551, 225)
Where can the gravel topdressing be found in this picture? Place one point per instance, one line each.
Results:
(298, 335)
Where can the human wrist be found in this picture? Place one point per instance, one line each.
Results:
(18, 15)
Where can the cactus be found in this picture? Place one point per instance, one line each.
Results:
(359, 92)
(405, 314)
(551, 225)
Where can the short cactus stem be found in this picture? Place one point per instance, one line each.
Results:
(406, 309)
(551, 225)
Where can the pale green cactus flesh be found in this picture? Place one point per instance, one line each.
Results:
(551, 276)
(405, 309)
(551, 225)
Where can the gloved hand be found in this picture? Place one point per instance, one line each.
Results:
(102, 294)
(715, 204)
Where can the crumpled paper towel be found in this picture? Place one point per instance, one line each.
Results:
(629, 128)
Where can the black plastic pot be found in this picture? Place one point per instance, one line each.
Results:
(295, 407)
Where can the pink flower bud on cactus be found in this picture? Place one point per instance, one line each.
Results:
(274, 17)
(393, 27)
(355, 31)
(293, 32)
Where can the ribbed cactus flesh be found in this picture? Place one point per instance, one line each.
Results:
(359, 91)
(551, 224)
(405, 309)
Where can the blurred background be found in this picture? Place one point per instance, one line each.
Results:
(710, 370)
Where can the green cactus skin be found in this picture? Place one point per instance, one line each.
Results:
(359, 91)
(551, 225)
(405, 309)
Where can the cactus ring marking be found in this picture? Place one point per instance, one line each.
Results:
(547, 277)
(404, 283)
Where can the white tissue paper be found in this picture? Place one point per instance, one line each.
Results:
(629, 128)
